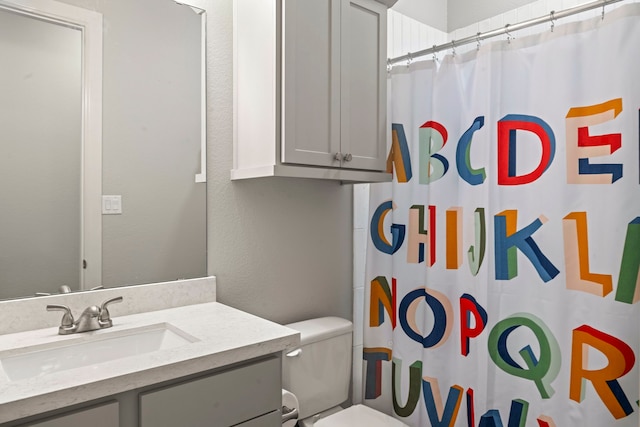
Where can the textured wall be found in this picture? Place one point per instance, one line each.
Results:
(280, 248)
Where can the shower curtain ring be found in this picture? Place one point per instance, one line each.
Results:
(478, 40)
(509, 36)
(389, 65)
(553, 20)
(604, 3)
(435, 57)
(453, 48)
(409, 58)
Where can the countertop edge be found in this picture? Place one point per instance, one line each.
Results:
(285, 340)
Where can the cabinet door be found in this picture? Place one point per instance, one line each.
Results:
(364, 84)
(99, 416)
(311, 82)
(220, 400)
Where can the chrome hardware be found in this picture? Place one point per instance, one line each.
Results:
(67, 325)
(295, 353)
(339, 157)
(92, 318)
(105, 317)
(64, 289)
(508, 33)
(88, 320)
(289, 414)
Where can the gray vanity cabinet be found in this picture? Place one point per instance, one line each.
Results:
(105, 415)
(271, 419)
(247, 394)
(225, 399)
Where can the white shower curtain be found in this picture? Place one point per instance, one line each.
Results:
(503, 259)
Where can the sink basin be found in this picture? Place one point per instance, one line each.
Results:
(88, 350)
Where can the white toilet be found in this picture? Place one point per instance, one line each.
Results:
(319, 373)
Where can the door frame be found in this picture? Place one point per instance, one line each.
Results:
(89, 23)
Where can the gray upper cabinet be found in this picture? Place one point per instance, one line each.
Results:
(310, 89)
(364, 84)
(311, 80)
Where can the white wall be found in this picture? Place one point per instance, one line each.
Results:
(280, 248)
(450, 15)
(464, 12)
(429, 12)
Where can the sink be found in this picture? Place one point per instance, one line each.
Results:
(90, 349)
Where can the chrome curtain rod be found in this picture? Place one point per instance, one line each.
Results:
(507, 29)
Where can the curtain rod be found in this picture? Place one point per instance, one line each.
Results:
(552, 16)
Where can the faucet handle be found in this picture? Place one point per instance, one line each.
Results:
(67, 318)
(105, 317)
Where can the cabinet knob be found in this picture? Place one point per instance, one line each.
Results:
(338, 157)
(347, 157)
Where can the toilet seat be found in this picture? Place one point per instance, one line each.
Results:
(359, 416)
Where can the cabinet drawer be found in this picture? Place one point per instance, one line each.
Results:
(99, 416)
(272, 419)
(223, 399)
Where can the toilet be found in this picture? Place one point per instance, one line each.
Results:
(319, 373)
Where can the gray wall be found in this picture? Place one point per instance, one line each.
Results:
(281, 248)
(151, 141)
(150, 148)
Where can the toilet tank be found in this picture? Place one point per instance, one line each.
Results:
(319, 375)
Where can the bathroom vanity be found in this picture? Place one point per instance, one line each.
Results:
(191, 365)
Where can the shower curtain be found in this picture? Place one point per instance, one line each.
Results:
(503, 260)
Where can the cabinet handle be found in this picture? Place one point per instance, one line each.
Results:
(347, 157)
(337, 157)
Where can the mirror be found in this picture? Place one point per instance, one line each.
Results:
(145, 155)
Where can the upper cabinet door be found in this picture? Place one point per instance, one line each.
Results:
(363, 84)
(311, 82)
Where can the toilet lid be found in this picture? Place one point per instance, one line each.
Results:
(359, 416)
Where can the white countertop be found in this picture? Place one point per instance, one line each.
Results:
(225, 336)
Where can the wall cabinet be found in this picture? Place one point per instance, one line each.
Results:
(248, 395)
(310, 89)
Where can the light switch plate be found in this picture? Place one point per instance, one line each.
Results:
(111, 205)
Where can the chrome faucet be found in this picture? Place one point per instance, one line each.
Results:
(92, 318)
